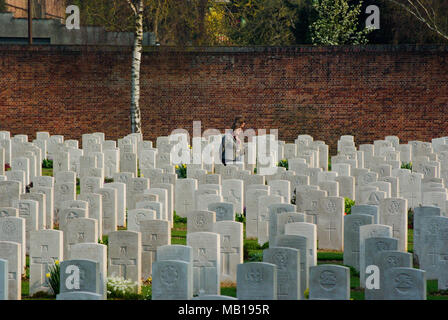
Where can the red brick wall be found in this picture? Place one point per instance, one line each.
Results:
(369, 92)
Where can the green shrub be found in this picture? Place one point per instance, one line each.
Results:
(410, 218)
(283, 163)
(255, 257)
(294, 196)
(406, 165)
(104, 241)
(179, 219)
(239, 217)
(47, 164)
(108, 180)
(265, 245)
(181, 171)
(53, 277)
(348, 205)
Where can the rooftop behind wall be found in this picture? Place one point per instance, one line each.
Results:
(52, 29)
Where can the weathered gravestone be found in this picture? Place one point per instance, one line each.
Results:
(274, 210)
(365, 232)
(11, 251)
(253, 196)
(281, 188)
(385, 260)
(367, 209)
(79, 295)
(49, 203)
(152, 205)
(329, 282)
(256, 281)
(224, 210)
(352, 223)
(79, 230)
(42, 208)
(184, 196)
(124, 256)
(300, 243)
(309, 231)
(3, 279)
(289, 217)
(200, 221)
(136, 216)
(95, 252)
(206, 262)
(170, 200)
(287, 261)
(373, 246)
(405, 284)
(13, 229)
(330, 223)
(394, 213)
(95, 208)
(155, 233)
(9, 191)
(121, 201)
(420, 213)
(434, 246)
(9, 212)
(68, 214)
(264, 203)
(80, 276)
(232, 191)
(109, 204)
(172, 280)
(28, 209)
(46, 248)
(231, 239)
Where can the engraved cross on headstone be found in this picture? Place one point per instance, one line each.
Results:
(226, 251)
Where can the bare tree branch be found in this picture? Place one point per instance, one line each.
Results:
(427, 19)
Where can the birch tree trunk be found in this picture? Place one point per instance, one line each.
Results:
(136, 121)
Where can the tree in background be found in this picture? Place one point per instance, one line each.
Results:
(138, 8)
(337, 23)
(427, 12)
(262, 22)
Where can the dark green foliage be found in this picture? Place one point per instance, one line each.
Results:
(283, 163)
(410, 218)
(47, 164)
(108, 180)
(255, 256)
(348, 205)
(181, 171)
(406, 165)
(104, 241)
(179, 219)
(54, 278)
(294, 196)
(240, 218)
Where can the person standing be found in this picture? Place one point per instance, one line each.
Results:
(233, 142)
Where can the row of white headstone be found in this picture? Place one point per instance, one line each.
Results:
(190, 197)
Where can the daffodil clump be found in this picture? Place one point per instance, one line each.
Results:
(181, 171)
(53, 277)
(118, 287)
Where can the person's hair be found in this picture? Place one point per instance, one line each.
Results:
(239, 120)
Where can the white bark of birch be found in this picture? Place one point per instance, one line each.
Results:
(136, 121)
